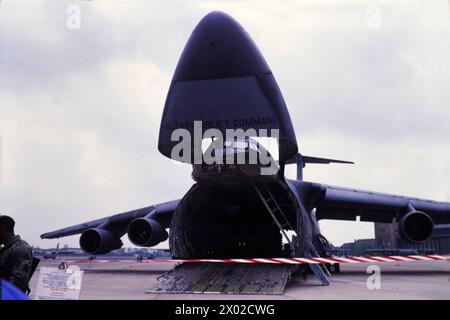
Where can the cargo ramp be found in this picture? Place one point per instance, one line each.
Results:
(227, 278)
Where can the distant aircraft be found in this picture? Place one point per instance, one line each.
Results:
(46, 254)
(231, 211)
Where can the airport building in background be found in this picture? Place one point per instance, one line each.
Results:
(387, 236)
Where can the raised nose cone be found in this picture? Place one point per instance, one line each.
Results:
(219, 48)
(223, 81)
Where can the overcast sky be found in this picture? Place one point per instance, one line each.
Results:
(80, 108)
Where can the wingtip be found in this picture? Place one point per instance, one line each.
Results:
(47, 235)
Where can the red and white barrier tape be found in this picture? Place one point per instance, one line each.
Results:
(364, 259)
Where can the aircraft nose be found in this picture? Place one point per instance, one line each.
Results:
(219, 48)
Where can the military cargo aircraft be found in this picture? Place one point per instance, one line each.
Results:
(223, 82)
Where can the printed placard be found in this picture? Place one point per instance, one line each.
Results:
(59, 284)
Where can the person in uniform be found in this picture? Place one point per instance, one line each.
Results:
(16, 255)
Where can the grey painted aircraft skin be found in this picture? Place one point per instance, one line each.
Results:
(223, 80)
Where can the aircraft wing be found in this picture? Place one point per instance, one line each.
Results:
(162, 212)
(339, 203)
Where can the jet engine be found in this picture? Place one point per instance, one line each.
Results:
(146, 232)
(415, 226)
(99, 241)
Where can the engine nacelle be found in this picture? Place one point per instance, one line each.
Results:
(99, 241)
(146, 232)
(415, 226)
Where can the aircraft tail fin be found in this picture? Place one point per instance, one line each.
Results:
(308, 159)
(315, 160)
(301, 160)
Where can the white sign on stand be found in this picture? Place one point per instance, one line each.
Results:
(57, 284)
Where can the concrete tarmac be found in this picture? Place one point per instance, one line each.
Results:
(125, 280)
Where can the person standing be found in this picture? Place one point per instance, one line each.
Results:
(16, 256)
